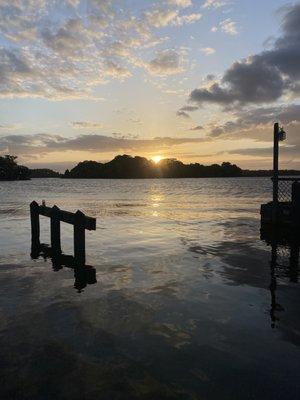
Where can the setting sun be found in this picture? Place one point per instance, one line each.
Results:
(156, 159)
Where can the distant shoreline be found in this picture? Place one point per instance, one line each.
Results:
(128, 167)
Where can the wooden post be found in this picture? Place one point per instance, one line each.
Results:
(55, 230)
(79, 238)
(296, 204)
(35, 224)
(275, 172)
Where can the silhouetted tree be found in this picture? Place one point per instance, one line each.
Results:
(44, 173)
(10, 170)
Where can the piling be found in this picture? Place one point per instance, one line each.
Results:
(55, 230)
(35, 224)
(79, 237)
(296, 203)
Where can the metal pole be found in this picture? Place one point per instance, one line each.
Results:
(275, 171)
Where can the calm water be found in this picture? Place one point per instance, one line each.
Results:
(187, 304)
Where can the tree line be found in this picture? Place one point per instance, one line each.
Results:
(125, 166)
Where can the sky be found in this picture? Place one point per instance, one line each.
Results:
(197, 80)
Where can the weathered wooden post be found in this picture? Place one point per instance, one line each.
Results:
(79, 238)
(35, 224)
(275, 172)
(55, 230)
(296, 204)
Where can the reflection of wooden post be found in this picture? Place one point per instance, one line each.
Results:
(275, 172)
(35, 223)
(79, 238)
(294, 262)
(296, 203)
(55, 230)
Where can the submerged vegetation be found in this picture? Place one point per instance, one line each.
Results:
(11, 171)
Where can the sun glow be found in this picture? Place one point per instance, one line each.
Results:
(156, 159)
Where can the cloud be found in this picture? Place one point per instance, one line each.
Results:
(267, 152)
(257, 123)
(264, 77)
(160, 18)
(86, 125)
(197, 128)
(187, 19)
(181, 3)
(116, 71)
(69, 38)
(214, 3)
(42, 144)
(182, 114)
(59, 50)
(167, 62)
(189, 108)
(135, 120)
(208, 50)
(228, 26)
(9, 127)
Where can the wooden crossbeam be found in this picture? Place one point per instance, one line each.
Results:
(67, 216)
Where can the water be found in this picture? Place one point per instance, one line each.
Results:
(186, 304)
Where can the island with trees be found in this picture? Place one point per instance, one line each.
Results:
(125, 166)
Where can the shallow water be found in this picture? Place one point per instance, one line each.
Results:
(187, 304)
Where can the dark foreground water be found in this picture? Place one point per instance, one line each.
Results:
(187, 303)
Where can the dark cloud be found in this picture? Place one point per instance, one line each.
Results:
(197, 128)
(28, 145)
(264, 77)
(258, 119)
(189, 108)
(182, 114)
